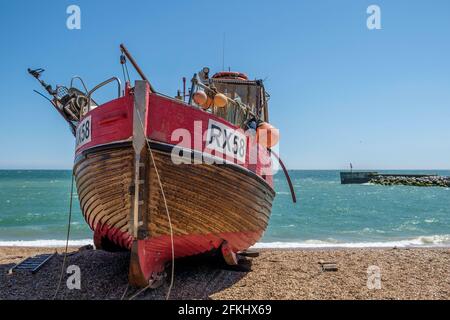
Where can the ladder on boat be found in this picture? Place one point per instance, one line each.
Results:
(32, 264)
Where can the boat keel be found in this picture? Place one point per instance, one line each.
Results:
(136, 277)
(228, 254)
(141, 274)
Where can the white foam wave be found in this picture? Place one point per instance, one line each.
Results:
(45, 243)
(424, 241)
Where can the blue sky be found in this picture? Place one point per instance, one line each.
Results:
(340, 93)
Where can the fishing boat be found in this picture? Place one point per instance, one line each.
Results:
(169, 177)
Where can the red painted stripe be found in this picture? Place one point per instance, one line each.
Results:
(113, 122)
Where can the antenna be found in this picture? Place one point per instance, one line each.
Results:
(223, 52)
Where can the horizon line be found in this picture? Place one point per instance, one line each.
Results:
(289, 169)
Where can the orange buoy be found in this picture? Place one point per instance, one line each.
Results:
(267, 135)
(200, 98)
(208, 103)
(220, 100)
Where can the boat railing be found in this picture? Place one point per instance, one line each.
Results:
(119, 88)
(81, 81)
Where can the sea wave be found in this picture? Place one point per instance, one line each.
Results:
(423, 241)
(44, 243)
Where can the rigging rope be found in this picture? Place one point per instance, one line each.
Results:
(167, 212)
(67, 238)
(124, 77)
(123, 62)
(128, 74)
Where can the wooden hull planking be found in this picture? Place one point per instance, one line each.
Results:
(208, 204)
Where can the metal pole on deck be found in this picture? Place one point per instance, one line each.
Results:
(135, 65)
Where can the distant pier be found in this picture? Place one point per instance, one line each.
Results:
(419, 180)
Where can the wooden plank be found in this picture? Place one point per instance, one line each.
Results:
(202, 199)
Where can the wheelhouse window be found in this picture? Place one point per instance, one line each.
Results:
(246, 100)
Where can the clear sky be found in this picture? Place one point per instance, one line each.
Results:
(340, 92)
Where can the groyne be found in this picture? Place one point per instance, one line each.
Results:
(386, 179)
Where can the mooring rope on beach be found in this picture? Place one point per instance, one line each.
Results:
(125, 292)
(167, 213)
(67, 237)
(139, 292)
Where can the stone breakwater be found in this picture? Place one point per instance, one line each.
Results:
(426, 181)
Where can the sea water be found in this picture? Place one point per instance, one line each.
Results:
(34, 209)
